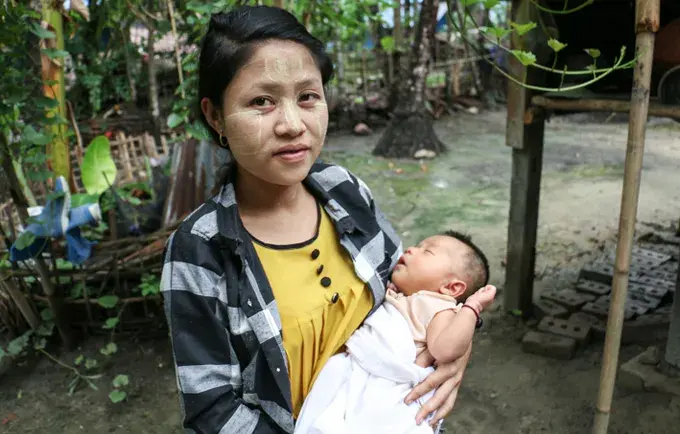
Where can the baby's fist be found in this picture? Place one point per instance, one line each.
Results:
(483, 297)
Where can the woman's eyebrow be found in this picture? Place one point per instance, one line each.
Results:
(269, 86)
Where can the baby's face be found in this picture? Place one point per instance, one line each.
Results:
(433, 263)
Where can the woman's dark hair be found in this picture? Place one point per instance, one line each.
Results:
(230, 41)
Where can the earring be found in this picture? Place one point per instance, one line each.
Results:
(223, 140)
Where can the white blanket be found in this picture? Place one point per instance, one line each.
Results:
(363, 391)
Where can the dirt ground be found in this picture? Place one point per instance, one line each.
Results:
(504, 389)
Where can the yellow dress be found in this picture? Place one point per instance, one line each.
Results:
(320, 299)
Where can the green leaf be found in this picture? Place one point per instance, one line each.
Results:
(90, 363)
(45, 329)
(32, 137)
(77, 290)
(387, 43)
(120, 381)
(98, 170)
(81, 199)
(24, 240)
(40, 344)
(498, 32)
(79, 360)
(197, 130)
(111, 323)
(491, 3)
(110, 348)
(117, 396)
(17, 345)
(525, 57)
(41, 32)
(47, 314)
(593, 52)
(556, 45)
(44, 102)
(469, 2)
(523, 28)
(174, 120)
(54, 53)
(108, 301)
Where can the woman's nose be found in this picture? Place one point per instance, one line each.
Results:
(290, 120)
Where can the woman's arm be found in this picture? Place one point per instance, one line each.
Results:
(208, 373)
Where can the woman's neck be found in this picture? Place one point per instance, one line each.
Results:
(256, 195)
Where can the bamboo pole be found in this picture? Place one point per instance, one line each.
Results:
(603, 105)
(647, 23)
(178, 60)
(53, 78)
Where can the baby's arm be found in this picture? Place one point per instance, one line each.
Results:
(449, 333)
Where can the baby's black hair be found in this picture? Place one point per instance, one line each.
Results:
(478, 265)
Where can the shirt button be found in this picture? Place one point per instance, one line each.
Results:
(278, 369)
(335, 298)
(315, 253)
(325, 282)
(319, 270)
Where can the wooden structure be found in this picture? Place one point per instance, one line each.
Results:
(525, 130)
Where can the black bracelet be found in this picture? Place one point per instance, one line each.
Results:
(479, 323)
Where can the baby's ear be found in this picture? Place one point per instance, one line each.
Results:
(455, 288)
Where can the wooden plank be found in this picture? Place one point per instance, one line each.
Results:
(602, 105)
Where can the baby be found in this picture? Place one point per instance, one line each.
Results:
(362, 390)
(429, 284)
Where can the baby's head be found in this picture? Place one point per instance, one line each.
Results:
(449, 263)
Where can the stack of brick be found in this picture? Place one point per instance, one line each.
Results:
(570, 319)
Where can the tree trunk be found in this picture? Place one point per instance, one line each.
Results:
(154, 103)
(411, 129)
(129, 70)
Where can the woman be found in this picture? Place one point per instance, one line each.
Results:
(264, 282)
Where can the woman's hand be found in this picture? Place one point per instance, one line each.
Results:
(446, 379)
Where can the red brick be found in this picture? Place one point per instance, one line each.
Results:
(593, 287)
(580, 332)
(547, 344)
(544, 307)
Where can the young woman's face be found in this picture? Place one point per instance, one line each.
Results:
(274, 113)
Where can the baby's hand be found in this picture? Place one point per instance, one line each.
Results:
(483, 297)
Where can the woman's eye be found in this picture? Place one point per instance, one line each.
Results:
(307, 97)
(260, 101)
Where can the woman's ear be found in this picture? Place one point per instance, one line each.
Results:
(212, 114)
(455, 288)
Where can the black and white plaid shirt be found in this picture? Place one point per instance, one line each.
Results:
(224, 324)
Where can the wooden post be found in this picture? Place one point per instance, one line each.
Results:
(672, 356)
(524, 134)
(647, 24)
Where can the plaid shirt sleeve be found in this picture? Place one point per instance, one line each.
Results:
(208, 372)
